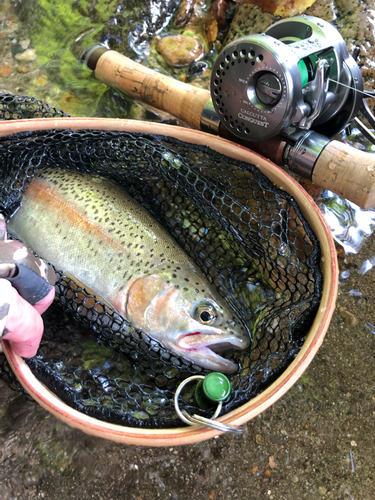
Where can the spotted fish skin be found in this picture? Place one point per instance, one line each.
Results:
(92, 230)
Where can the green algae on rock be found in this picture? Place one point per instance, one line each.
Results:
(59, 32)
(248, 20)
(55, 31)
(180, 50)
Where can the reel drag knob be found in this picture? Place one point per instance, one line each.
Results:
(268, 89)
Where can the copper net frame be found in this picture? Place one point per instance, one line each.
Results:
(310, 345)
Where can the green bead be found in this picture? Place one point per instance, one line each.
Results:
(201, 399)
(216, 387)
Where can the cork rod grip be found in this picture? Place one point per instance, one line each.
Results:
(148, 86)
(348, 172)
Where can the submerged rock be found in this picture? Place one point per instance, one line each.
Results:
(180, 50)
(248, 20)
(283, 8)
(5, 70)
(184, 12)
(27, 56)
(134, 24)
(348, 317)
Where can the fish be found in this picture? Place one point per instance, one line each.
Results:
(94, 231)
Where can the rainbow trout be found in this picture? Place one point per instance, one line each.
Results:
(90, 229)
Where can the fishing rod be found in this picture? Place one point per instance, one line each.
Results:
(283, 94)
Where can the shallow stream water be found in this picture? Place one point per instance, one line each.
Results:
(318, 441)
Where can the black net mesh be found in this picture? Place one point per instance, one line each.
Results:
(248, 237)
(15, 107)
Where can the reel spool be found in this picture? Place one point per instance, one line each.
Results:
(297, 74)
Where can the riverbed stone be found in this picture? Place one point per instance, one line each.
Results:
(180, 50)
(26, 56)
(283, 8)
(5, 70)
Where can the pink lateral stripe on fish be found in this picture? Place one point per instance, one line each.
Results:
(89, 228)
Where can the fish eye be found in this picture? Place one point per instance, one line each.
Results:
(205, 314)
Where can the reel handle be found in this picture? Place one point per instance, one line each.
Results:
(183, 101)
(340, 168)
(348, 172)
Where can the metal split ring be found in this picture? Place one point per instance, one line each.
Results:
(199, 420)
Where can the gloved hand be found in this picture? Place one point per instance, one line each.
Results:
(34, 279)
(20, 322)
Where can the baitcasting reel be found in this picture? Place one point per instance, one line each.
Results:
(296, 77)
(298, 73)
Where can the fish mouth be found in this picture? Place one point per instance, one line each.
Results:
(207, 344)
(214, 341)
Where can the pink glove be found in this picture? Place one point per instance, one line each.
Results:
(20, 322)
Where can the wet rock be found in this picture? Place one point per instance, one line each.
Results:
(196, 70)
(134, 24)
(70, 102)
(32, 477)
(340, 250)
(22, 69)
(222, 12)
(27, 56)
(41, 80)
(183, 12)
(348, 317)
(271, 462)
(5, 70)
(248, 20)
(16, 49)
(283, 8)
(25, 44)
(324, 9)
(263, 344)
(180, 50)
